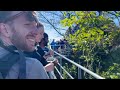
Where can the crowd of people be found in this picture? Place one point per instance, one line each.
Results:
(59, 45)
(23, 45)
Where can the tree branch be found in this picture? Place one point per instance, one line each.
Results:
(52, 25)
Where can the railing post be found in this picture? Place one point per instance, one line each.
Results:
(61, 65)
(79, 72)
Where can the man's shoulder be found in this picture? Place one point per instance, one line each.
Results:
(35, 69)
(32, 61)
(3, 52)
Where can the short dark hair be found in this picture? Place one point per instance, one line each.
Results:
(45, 35)
(4, 15)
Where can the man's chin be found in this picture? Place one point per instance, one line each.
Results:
(30, 49)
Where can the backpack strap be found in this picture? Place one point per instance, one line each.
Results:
(18, 57)
(22, 66)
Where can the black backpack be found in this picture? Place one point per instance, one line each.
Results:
(10, 59)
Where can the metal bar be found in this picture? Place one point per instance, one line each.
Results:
(59, 73)
(81, 67)
(52, 75)
(61, 64)
(79, 72)
(66, 71)
(56, 45)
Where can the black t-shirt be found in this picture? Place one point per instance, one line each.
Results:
(36, 55)
(40, 51)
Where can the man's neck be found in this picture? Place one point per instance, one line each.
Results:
(41, 45)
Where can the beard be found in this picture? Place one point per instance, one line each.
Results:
(20, 42)
(16, 40)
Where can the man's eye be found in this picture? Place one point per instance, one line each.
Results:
(31, 26)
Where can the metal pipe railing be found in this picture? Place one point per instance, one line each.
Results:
(81, 67)
(59, 72)
(66, 71)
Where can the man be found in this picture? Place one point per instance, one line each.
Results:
(47, 53)
(53, 44)
(35, 54)
(43, 45)
(49, 66)
(18, 30)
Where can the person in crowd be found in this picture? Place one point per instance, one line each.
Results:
(18, 30)
(46, 52)
(48, 66)
(53, 44)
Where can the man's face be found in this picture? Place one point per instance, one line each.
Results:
(24, 32)
(40, 34)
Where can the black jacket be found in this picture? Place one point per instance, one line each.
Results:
(37, 55)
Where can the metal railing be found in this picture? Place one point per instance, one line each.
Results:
(66, 71)
(79, 67)
(76, 64)
(60, 64)
(59, 73)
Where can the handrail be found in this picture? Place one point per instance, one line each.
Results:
(59, 72)
(66, 71)
(57, 45)
(81, 67)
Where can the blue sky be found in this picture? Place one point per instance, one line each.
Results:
(52, 33)
(116, 22)
(49, 29)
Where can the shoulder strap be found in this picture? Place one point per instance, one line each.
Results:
(16, 57)
(6, 62)
(22, 66)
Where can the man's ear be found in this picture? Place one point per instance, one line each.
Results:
(4, 30)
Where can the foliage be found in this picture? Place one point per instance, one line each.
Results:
(113, 72)
(94, 38)
(71, 69)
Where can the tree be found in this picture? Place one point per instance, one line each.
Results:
(52, 19)
(94, 38)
